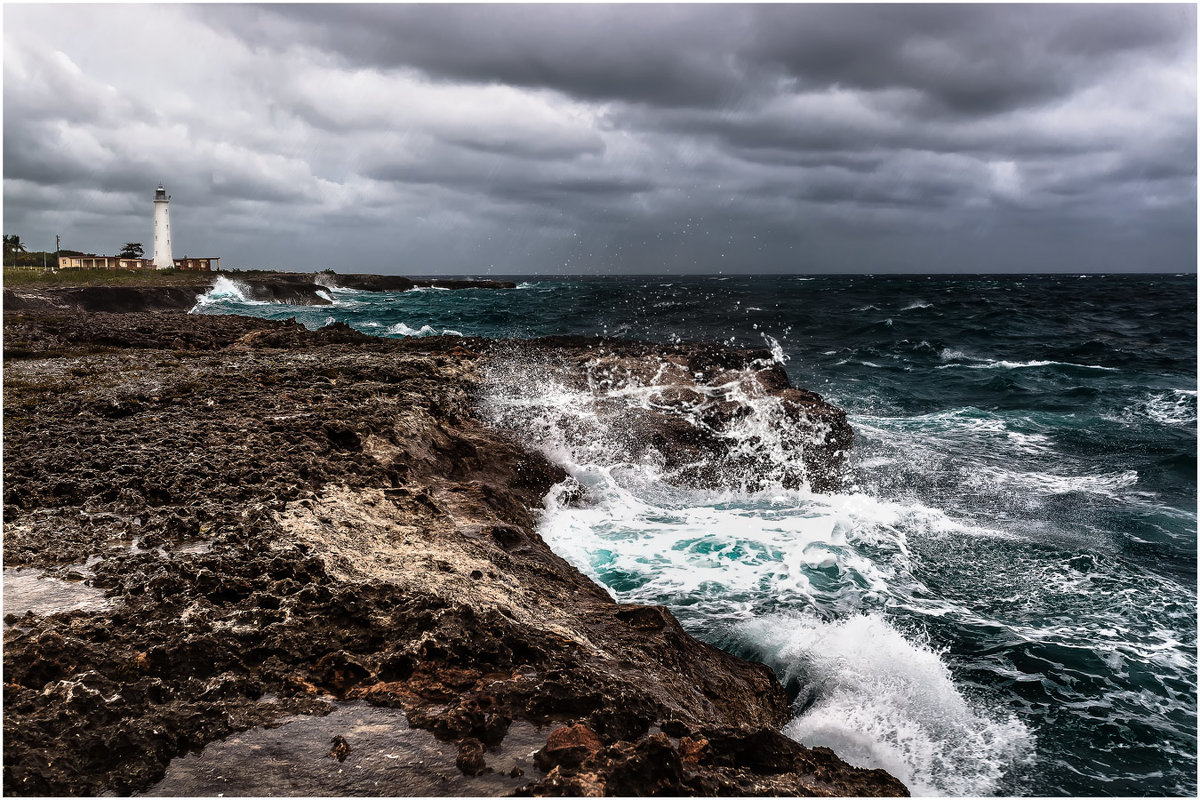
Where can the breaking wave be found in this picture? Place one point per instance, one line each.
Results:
(880, 699)
(798, 579)
(225, 292)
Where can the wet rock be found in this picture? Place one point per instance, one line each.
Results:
(369, 283)
(340, 748)
(712, 416)
(568, 746)
(470, 757)
(293, 289)
(340, 671)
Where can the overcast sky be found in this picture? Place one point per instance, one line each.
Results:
(566, 139)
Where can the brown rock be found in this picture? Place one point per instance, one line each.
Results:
(567, 746)
(340, 748)
(470, 757)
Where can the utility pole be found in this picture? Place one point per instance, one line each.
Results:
(57, 247)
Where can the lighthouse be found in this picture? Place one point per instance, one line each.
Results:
(162, 230)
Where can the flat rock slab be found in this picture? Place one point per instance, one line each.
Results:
(29, 590)
(381, 755)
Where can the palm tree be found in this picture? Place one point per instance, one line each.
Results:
(12, 243)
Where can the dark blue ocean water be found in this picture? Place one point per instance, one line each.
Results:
(1003, 602)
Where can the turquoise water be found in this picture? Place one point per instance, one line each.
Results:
(1003, 601)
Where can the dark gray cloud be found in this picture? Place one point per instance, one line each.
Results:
(616, 138)
(969, 59)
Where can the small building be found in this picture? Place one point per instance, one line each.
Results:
(93, 261)
(206, 264)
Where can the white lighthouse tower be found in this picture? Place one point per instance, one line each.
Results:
(162, 230)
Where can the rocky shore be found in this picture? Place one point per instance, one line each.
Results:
(280, 287)
(236, 525)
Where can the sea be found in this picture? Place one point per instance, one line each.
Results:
(1002, 599)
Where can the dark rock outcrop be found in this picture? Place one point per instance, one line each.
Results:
(294, 290)
(713, 416)
(369, 283)
(117, 299)
(282, 518)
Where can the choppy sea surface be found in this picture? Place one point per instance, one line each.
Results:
(1003, 599)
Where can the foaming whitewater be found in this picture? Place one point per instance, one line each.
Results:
(401, 329)
(986, 363)
(224, 293)
(799, 580)
(326, 280)
(1174, 407)
(882, 699)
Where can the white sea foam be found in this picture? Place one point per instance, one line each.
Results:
(324, 295)
(1107, 484)
(652, 544)
(882, 699)
(224, 291)
(400, 329)
(777, 352)
(1174, 407)
(948, 354)
(917, 304)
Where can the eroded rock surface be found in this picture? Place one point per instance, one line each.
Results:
(284, 520)
(283, 288)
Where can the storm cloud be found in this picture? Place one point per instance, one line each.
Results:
(572, 138)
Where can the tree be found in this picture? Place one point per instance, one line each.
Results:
(12, 244)
(131, 250)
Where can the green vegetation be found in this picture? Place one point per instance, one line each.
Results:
(132, 250)
(12, 244)
(37, 278)
(16, 254)
(33, 260)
